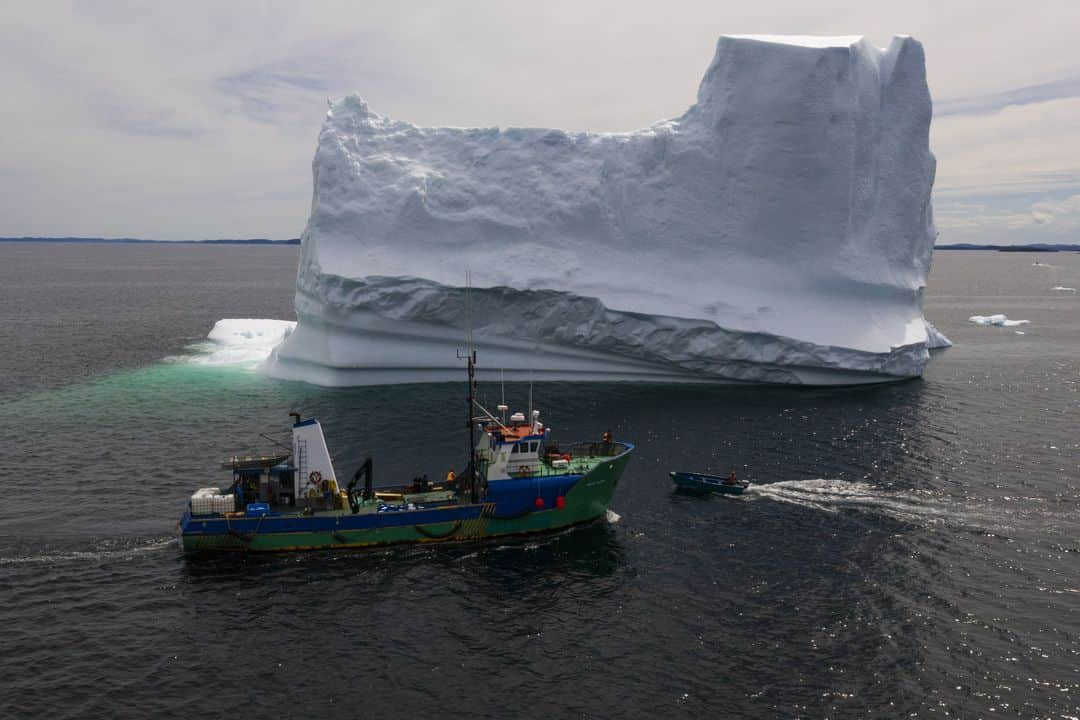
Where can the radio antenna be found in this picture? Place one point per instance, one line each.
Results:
(468, 312)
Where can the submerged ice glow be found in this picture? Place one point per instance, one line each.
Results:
(778, 231)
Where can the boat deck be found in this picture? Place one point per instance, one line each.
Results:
(584, 458)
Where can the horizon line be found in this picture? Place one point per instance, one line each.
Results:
(133, 241)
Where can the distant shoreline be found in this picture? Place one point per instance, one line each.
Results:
(1036, 247)
(140, 241)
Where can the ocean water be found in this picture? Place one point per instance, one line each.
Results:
(907, 550)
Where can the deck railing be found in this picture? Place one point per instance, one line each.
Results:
(582, 457)
(596, 449)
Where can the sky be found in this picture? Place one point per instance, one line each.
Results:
(199, 119)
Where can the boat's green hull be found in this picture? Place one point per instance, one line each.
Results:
(586, 502)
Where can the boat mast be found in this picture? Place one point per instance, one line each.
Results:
(473, 485)
(470, 356)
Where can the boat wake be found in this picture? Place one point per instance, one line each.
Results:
(921, 508)
(999, 516)
(109, 550)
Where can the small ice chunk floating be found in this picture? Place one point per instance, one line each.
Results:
(999, 320)
(518, 481)
(779, 231)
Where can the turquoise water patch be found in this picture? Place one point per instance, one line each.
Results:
(167, 391)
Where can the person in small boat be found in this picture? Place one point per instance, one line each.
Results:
(731, 479)
(450, 477)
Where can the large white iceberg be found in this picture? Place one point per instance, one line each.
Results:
(778, 231)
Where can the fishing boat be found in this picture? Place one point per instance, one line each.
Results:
(702, 483)
(516, 481)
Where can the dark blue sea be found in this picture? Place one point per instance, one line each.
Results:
(908, 550)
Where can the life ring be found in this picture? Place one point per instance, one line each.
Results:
(315, 477)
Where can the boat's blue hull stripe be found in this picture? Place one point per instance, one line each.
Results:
(510, 498)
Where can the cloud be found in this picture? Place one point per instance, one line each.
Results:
(199, 119)
(975, 220)
(1021, 149)
(289, 89)
(1063, 214)
(1004, 220)
(266, 94)
(144, 118)
(982, 104)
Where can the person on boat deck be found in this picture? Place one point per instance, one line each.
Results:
(731, 479)
(450, 476)
(241, 490)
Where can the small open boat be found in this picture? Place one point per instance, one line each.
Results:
(702, 483)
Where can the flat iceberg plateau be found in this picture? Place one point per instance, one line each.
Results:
(779, 231)
(242, 341)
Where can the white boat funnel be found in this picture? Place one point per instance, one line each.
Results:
(311, 457)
